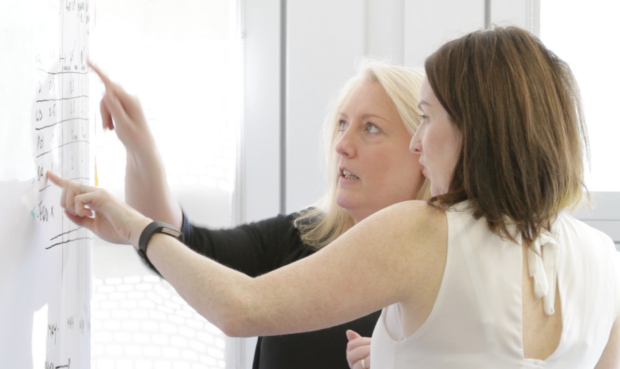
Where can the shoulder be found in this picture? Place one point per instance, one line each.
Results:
(307, 215)
(578, 231)
(590, 247)
(278, 223)
(285, 236)
(406, 224)
(290, 220)
(402, 244)
(414, 215)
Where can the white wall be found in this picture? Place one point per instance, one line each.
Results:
(430, 24)
(325, 40)
(258, 187)
(260, 153)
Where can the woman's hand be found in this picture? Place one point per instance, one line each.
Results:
(146, 187)
(122, 112)
(358, 351)
(99, 211)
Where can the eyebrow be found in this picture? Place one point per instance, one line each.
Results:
(422, 102)
(364, 116)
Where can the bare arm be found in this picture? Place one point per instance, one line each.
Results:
(384, 254)
(147, 190)
(146, 187)
(320, 291)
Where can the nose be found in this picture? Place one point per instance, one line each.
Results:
(415, 146)
(345, 144)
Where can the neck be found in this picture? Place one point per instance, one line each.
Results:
(359, 214)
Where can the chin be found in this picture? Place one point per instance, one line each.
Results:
(346, 202)
(343, 204)
(437, 192)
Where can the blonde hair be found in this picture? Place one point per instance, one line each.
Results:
(326, 221)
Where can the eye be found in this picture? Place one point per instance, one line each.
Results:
(342, 125)
(371, 128)
(424, 118)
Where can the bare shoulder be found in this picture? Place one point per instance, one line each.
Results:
(413, 216)
(406, 224)
(416, 235)
(419, 210)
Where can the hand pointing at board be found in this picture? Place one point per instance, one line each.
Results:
(122, 112)
(96, 209)
(114, 221)
(146, 187)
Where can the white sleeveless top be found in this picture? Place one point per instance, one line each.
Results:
(476, 321)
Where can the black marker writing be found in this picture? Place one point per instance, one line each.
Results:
(52, 331)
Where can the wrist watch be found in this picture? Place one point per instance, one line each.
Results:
(156, 227)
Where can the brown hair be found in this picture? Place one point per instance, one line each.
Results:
(518, 108)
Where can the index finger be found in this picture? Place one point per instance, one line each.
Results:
(104, 78)
(58, 181)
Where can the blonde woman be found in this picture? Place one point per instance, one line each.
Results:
(370, 166)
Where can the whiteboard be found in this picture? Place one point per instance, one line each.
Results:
(44, 125)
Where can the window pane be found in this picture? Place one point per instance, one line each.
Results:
(585, 34)
(178, 57)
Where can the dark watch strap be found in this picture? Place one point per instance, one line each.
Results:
(156, 227)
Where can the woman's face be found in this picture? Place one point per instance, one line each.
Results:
(375, 167)
(437, 141)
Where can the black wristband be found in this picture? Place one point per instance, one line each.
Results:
(156, 227)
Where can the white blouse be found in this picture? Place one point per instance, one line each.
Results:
(476, 321)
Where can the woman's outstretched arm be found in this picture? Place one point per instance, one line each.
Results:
(375, 264)
(146, 186)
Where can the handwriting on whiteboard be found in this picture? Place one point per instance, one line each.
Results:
(60, 139)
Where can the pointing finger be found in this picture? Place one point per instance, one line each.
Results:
(104, 78)
(58, 181)
(125, 100)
